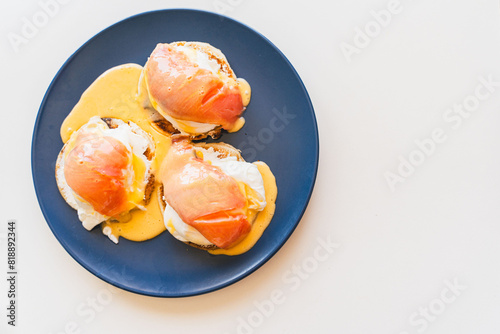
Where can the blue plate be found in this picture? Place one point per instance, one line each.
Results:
(280, 130)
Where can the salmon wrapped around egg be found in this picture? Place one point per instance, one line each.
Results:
(104, 170)
(193, 90)
(212, 198)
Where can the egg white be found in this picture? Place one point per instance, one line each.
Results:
(200, 58)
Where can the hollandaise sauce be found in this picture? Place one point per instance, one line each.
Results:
(114, 95)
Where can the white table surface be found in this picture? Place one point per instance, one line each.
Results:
(421, 258)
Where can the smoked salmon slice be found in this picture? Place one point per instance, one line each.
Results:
(185, 91)
(96, 169)
(204, 196)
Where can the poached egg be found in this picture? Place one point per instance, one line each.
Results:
(193, 87)
(104, 169)
(248, 177)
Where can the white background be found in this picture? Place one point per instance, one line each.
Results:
(399, 250)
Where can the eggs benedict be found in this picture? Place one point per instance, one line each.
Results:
(193, 88)
(104, 170)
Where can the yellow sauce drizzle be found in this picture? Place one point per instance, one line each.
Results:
(237, 125)
(245, 90)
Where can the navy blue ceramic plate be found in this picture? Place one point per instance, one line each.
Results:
(280, 130)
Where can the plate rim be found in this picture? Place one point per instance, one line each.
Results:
(244, 273)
